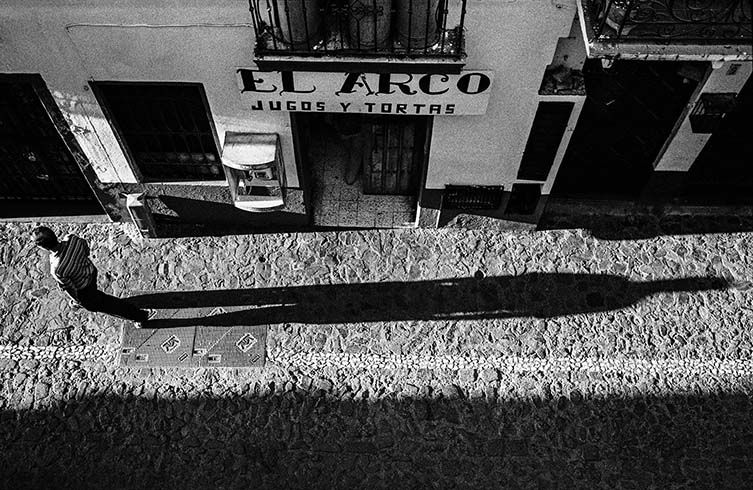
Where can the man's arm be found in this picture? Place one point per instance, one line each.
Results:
(84, 244)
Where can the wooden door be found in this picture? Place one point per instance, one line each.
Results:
(396, 156)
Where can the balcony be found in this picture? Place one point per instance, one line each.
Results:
(668, 29)
(319, 35)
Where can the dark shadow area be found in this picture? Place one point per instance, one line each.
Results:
(40, 159)
(628, 114)
(37, 208)
(535, 294)
(274, 438)
(639, 225)
(607, 183)
(185, 217)
(723, 172)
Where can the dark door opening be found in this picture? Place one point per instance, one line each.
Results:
(629, 113)
(363, 170)
(723, 172)
(40, 176)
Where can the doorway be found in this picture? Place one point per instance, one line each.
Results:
(723, 174)
(629, 113)
(364, 170)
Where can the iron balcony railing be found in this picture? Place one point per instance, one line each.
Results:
(704, 22)
(399, 28)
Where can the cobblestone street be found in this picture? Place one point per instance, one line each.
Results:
(394, 359)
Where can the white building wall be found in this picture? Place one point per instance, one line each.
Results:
(516, 40)
(205, 41)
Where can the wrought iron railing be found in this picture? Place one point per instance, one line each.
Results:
(677, 21)
(400, 28)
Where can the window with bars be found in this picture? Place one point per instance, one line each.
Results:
(37, 163)
(164, 128)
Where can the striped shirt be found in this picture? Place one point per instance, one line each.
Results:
(70, 264)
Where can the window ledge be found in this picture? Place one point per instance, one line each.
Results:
(381, 64)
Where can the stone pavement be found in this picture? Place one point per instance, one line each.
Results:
(395, 359)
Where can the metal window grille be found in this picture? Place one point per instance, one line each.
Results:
(472, 197)
(36, 162)
(165, 128)
(401, 28)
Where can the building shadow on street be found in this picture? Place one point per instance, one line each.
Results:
(178, 217)
(636, 225)
(541, 295)
(267, 437)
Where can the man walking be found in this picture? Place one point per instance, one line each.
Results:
(75, 273)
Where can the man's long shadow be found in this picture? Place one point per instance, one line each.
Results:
(541, 295)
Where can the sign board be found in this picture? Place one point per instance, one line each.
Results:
(437, 94)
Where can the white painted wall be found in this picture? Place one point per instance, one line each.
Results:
(70, 42)
(682, 150)
(516, 40)
(187, 41)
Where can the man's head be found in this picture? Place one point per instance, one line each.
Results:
(45, 238)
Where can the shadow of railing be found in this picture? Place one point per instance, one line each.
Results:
(541, 295)
(304, 439)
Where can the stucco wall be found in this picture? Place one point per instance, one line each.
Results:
(516, 40)
(192, 41)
